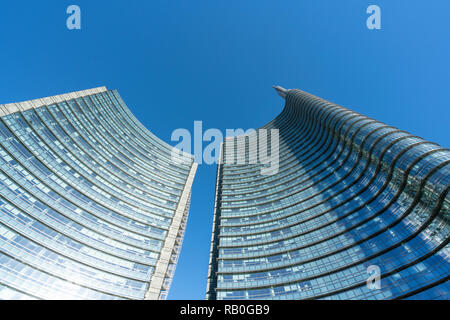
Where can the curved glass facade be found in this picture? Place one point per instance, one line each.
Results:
(357, 210)
(91, 205)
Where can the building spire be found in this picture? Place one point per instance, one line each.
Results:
(282, 92)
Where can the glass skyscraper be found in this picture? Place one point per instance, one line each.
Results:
(92, 205)
(356, 210)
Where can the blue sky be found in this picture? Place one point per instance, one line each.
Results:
(211, 60)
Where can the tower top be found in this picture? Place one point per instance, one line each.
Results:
(6, 109)
(282, 92)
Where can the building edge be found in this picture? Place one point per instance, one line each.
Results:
(160, 275)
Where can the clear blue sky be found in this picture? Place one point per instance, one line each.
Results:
(212, 60)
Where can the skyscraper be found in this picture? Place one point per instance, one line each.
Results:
(91, 205)
(356, 210)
